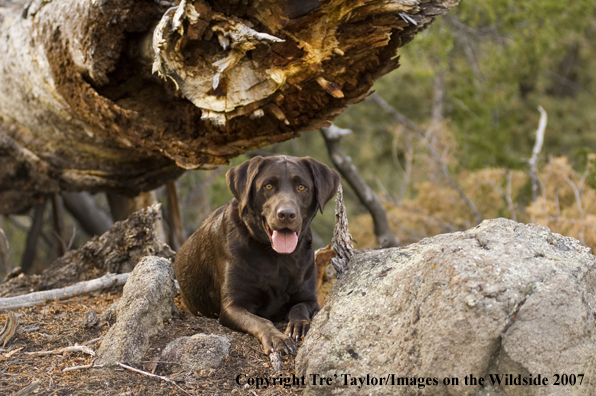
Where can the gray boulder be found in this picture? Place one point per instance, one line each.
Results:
(147, 301)
(198, 352)
(502, 301)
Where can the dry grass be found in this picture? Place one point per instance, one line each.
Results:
(566, 205)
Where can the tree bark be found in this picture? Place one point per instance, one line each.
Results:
(117, 251)
(342, 243)
(81, 110)
(122, 207)
(176, 228)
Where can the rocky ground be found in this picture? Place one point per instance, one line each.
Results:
(75, 322)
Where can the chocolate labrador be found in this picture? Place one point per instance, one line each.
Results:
(252, 262)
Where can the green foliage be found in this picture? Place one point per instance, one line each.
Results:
(501, 59)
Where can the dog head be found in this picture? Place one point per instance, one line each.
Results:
(279, 196)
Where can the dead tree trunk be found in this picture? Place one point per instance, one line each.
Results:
(60, 244)
(367, 197)
(176, 229)
(32, 238)
(122, 207)
(116, 251)
(83, 208)
(82, 110)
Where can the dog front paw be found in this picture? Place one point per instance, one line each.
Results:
(298, 328)
(280, 343)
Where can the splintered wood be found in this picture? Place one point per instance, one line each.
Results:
(342, 239)
(9, 328)
(239, 75)
(116, 251)
(276, 362)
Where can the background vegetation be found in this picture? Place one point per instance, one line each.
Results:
(469, 88)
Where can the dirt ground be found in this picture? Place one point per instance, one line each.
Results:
(73, 322)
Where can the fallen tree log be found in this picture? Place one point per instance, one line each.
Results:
(82, 110)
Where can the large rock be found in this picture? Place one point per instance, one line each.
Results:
(147, 301)
(502, 298)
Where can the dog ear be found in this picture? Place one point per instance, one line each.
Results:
(326, 181)
(240, 180)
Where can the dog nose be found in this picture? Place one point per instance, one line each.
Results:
(286, 214)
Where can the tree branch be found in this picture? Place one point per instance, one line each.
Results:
(4, 248)
(43, 297)
(148, 374)
(367, 197)
(82, 207)
(60, 351)
(536, 184)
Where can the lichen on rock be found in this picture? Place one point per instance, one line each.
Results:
(501, 298)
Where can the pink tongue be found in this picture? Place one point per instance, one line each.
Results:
(284, 241)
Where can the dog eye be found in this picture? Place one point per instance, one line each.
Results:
(301, 188)
(269, 186)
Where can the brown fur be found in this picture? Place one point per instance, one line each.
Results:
(229, 269)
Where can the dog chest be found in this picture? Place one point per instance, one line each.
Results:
(268, 286)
